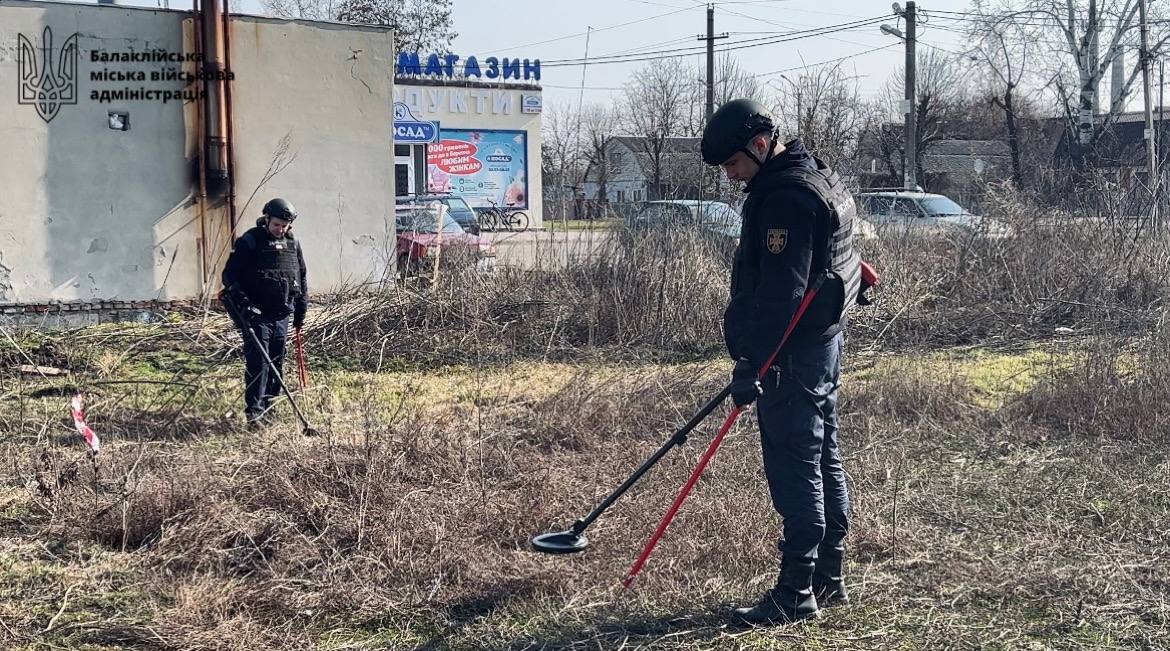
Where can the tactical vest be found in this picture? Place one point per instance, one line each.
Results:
(838, 259)
(278, 272)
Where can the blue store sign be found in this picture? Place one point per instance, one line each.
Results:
(411, 130)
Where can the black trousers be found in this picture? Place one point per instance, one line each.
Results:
(798, 434)
(261, 385)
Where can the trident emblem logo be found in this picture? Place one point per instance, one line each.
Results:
(46, 84)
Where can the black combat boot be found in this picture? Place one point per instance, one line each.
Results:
(827, 581)
(790, 601)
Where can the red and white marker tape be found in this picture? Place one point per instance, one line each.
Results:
(91, 437)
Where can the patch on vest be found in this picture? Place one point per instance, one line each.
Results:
(777, 239)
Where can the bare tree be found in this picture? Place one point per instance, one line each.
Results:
(307, 9)
(824, 108)
(599, 129)
(939, 99)
(1006, 48)
(560, 160)
(732, 81)
(1074, 31)
(656, 102)
(419, 25)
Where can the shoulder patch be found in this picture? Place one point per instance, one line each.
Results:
(777, 240)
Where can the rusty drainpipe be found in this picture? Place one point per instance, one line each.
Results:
(214, 143)
(200, 111)
(229, 119)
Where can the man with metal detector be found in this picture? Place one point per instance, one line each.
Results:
(797, 237)
(265, 281)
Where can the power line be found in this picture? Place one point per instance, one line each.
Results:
(770, 22)
(582, 87)
(737, 45)
(599, 29)
(1033, 19)
(805, 67)
(642, 49)
(821, 63)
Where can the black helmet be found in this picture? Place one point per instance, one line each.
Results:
(280, 209)
(731, 128)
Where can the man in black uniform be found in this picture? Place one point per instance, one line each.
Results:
(264, 282)
(798, 223)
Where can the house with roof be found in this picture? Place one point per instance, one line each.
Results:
(951, 167)
(645, 169)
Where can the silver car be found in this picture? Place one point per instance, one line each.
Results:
(915, 210)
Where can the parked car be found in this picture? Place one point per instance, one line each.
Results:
(921, 210)
(719, 219)
(457, 206)
(714, 219)
(416, 226)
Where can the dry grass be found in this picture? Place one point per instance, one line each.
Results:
(407, 527)
(1004, 497)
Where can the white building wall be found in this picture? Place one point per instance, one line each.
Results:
(90, 214)
(479, 106)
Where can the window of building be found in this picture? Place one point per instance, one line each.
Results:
(621, 196)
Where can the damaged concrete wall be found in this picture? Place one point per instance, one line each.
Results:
(313, 124)
(92, 211)
(87, 212)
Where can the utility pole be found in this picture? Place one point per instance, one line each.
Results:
(580, 109)
(711, 38)
(1151, 162)
(911, 174)
(910, 160)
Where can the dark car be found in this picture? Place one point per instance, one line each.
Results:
(457, 207)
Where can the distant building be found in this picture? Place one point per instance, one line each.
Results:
(950, 166)
(640, 169)
(487, 137)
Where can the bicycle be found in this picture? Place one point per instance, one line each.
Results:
(488, 219)
(512, 220)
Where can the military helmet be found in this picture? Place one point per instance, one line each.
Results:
(731, 128)
(280, 209)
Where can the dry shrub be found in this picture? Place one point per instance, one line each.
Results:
(1113, 391)
(1054, 269)
(639, 405)
(128, 508)
(655, 293)
(906, 392)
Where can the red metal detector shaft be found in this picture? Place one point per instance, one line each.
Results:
(710, 453)
(302, 367)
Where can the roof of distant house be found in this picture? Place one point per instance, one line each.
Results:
(670, 145)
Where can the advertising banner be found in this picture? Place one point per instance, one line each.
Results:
(482, 166)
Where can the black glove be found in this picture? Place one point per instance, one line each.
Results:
(239, 307)
(299, 317)
(745, 384)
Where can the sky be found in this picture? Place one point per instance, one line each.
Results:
(556, 30)
(553, 30)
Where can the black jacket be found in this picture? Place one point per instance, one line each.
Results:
(267, 273)
(785, 232)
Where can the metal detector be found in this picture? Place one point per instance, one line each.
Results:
(573, 540)
(242, 321)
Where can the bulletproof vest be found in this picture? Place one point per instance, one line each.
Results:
(278, 271)
(838, 258)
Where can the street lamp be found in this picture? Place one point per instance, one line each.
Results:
(910, 164)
